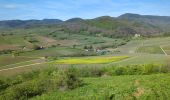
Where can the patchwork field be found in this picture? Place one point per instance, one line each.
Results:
(142, 51)
(144, 64)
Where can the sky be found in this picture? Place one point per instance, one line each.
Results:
(87, 9)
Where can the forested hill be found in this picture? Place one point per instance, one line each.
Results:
(125, 25)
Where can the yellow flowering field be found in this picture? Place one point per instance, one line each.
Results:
(91, 60)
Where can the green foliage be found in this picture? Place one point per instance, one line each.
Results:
(6, 51)
(36, 47)
(36, 83)
(23, 91)
(120, 71)
(90, 71)
(126, 87)
(67, 79)
(3, 84)
(145, 69)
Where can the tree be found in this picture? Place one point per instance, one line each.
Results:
(91, 47)
(36, 47)
(15, 53)
(85, 47)
(74, 46)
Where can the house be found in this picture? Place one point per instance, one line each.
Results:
(102, 51)
(137, 35)
(89, 50)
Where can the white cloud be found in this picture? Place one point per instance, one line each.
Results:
(11, 6)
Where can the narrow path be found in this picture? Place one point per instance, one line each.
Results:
(21, 62)
(127, 59)
(40, 58)
(21, 66)
(164, 51)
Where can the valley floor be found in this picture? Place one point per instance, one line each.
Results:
(139, 51)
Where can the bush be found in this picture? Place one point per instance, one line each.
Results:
(3, 84)
(36, 83)
(165, 68)
(145, 69)
(90, 71)
(151, 68)
(36, 47)
(134, 70)
(23, 91)
(67, 79)
(120, 71)
(6, 51)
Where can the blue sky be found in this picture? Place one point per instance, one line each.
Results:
(65, 9)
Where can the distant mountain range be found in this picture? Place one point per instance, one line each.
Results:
(26, 23)
(126, 24)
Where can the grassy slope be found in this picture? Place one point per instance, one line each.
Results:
(150, 49)
(119, 88)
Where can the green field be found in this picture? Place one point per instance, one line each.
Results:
(150, 49)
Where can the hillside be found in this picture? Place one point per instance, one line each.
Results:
(27, 23)
(161, 22)
(124, 25)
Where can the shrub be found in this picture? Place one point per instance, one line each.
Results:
(120, 71)
(151, 68)
(165, 68)
(36, 47)
(90, 71)
(134, 70)
(3, 84)
(67, 79)
(23, 91)
(6, 51)
(32, 84)
(137, 69)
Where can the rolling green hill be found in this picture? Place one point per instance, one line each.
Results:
(124, 25)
